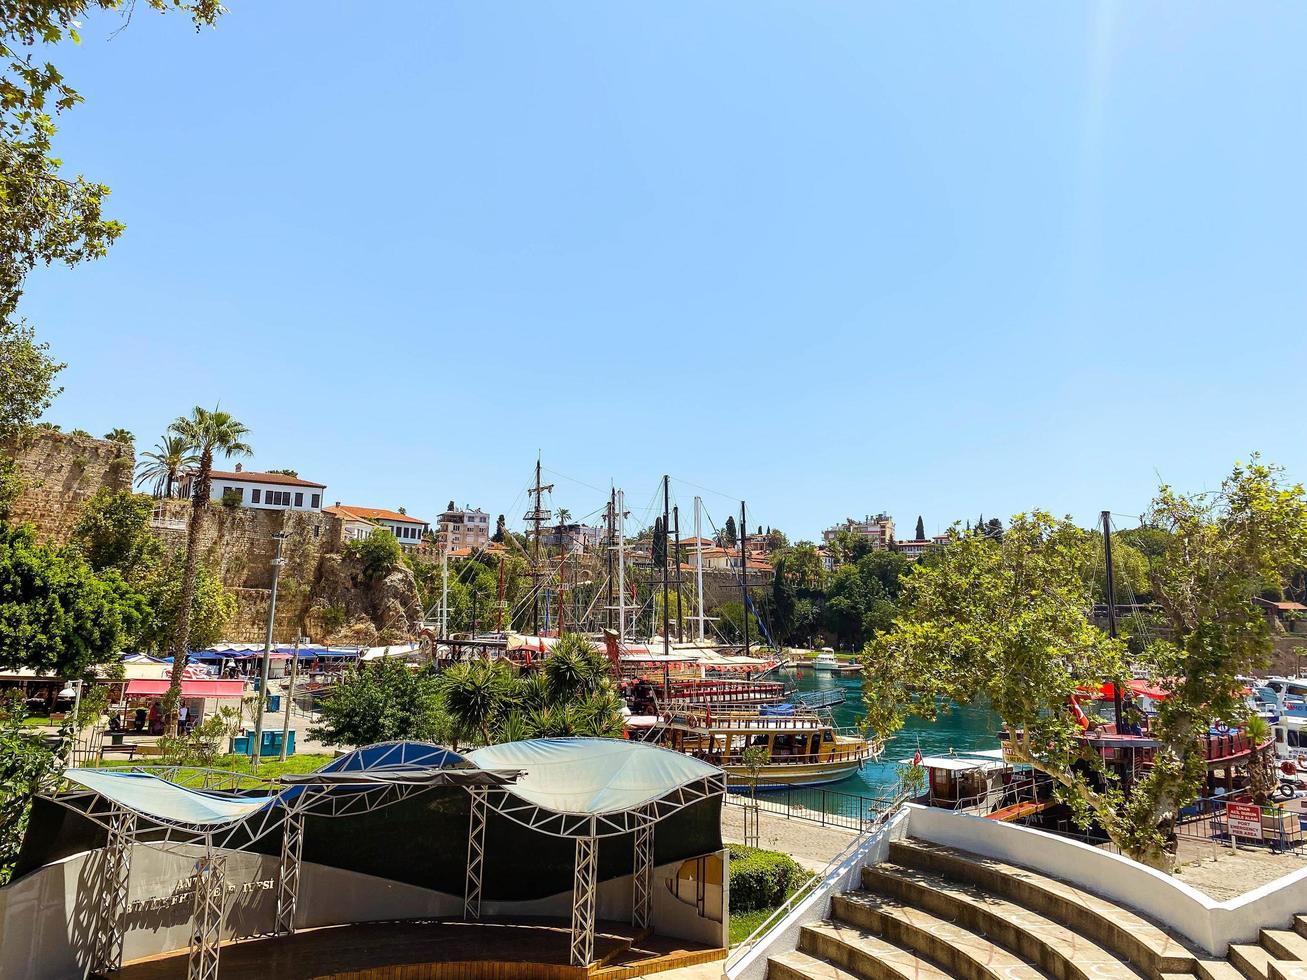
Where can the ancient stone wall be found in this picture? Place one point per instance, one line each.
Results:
(59, 472)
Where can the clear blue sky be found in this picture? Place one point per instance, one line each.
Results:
(832, 257)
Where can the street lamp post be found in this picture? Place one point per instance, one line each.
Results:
(257, 745)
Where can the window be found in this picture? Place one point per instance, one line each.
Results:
(254, 496)
(316, 501)
(299, 499)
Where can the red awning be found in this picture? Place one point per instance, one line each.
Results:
(147, 686)
(1137, 687)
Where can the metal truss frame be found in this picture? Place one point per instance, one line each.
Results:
(583, 901)
(288, 876)
(476, 855)
(206, 918)
(642, 878)
(108, 955)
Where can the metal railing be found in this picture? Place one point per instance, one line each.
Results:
(807, 887)
(821, 806)
(1275, 827)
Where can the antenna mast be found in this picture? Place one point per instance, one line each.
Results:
(744, 575)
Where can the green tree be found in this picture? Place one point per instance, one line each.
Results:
(120, 435)
(477, 694)
(501, 525)
(27, 767)
(113, 531)
(1007, 622)
(379, 553)
(212, 607)
(729, 538)
(56, 614)
(27, 374)
(207, 434)
(380, 702)
(921, 529)
(1220, 548)
(163, 467)
(295, 474)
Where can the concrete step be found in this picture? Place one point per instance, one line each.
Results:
(958, 951)
(1058, 951)
(1250, 960)
(1281, 970)
(1284, 944)
(1300, 924)
(797, 965)
(865, 954)
(1214, 969)
(1148, 946)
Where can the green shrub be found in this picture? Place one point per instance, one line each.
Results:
(761, 879)
(232, 497)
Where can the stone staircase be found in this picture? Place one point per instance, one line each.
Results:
(933, 912)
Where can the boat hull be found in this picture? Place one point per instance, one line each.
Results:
(774, 777)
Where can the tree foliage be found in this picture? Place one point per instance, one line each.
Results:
(379, 553)
(27, 767)
(212, 606)
(380, 702)
(56, 614)
(113, 532)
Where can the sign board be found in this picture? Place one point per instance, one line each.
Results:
(1245, 819)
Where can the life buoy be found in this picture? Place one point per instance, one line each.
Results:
(1222, 728)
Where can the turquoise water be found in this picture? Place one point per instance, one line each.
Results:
(962, 728)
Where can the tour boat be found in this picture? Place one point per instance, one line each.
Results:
(802, 748)
(826, 661)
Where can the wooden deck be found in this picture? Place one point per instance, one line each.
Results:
(528, 949)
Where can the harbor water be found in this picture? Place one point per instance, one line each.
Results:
(965, 728)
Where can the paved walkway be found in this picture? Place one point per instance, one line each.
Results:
(810, 844)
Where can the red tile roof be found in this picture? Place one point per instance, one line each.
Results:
(375, 514)
(249, 476)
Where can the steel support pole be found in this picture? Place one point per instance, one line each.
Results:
(642, 877)
(256, 743)
(108, 955)
(476, 855)
(583, 901)
(621, 566)
(288, 877)
(206, 924)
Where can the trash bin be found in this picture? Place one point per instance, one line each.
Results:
(274, 702)
(240, 745)
(115, 738)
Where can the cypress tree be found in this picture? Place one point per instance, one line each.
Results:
(921, 529)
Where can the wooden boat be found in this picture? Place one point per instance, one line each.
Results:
(802, 748)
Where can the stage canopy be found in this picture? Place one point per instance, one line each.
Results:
(158, 799)
(593, 775)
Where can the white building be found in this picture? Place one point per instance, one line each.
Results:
(362, 521)
(879, 530)
(263, 491)
(573, 539)
(464, 528)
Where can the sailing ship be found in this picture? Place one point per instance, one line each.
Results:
(802, 747)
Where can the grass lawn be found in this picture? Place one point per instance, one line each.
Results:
(269, 766)
(743, 923)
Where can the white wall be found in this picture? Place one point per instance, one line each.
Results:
(1210, 924)
(47, 918)
(220, 484)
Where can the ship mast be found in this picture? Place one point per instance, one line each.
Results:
(667, 640)
(536, 516)
(621, 566)
(744, 575)
(609, 518)
(698, 561)
(676, 557)
(1111, 611)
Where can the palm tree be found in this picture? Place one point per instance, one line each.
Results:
(574, 668)
(172, 459)
(476, 694)
(204, 433)
(120, 435)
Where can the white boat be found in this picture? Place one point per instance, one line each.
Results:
(825, 661)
